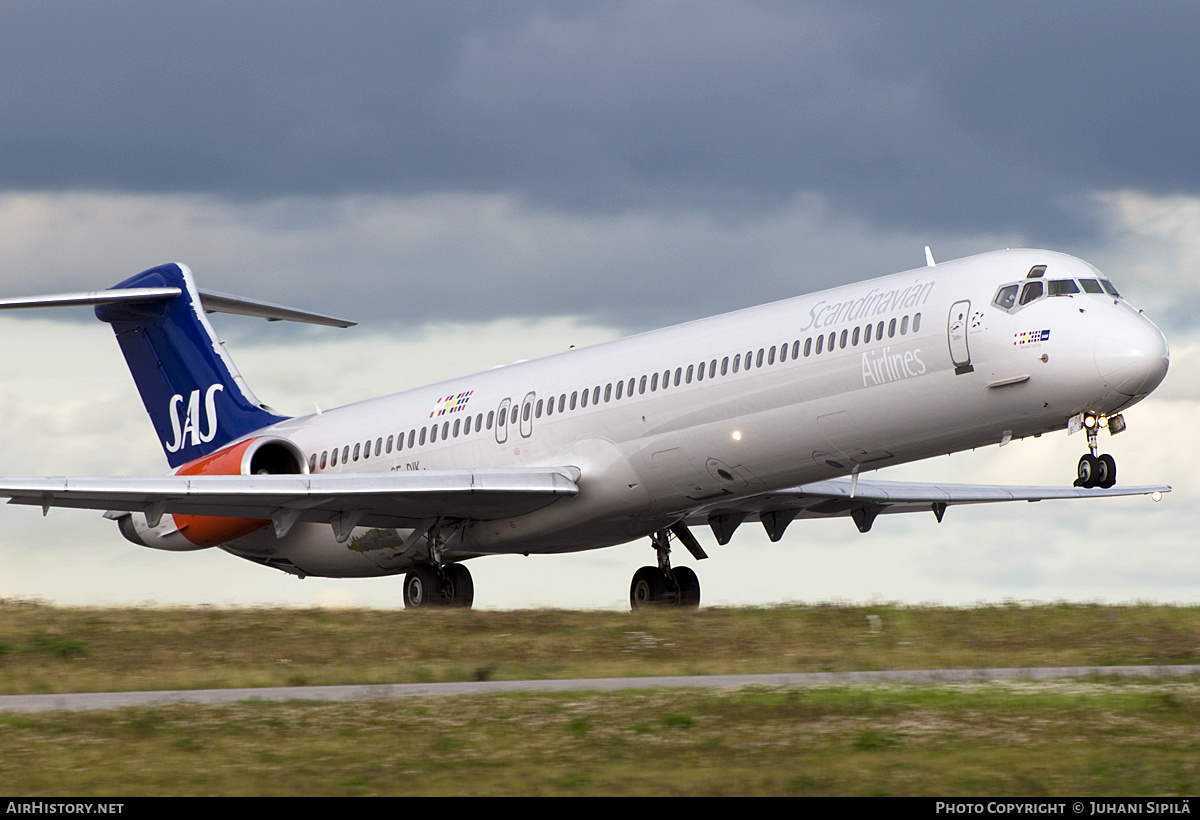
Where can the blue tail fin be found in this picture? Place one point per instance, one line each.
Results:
(194, 394)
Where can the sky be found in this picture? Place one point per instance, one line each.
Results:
(478, 182)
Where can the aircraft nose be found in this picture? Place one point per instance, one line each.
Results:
(1133, 359)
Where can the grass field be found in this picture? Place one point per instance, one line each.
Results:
(1098, 737)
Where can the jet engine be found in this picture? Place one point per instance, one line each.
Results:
(264, 455)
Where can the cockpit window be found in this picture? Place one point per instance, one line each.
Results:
(1035, 272)
(1091, 286)
(1006, 297)
(1063, 287)
(1108, 286)
(1032, 291)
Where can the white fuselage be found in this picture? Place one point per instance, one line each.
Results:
(653, 440)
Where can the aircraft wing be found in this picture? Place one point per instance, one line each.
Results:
(393, 499)
(864, 501)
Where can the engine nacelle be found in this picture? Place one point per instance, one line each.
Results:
(265, 455)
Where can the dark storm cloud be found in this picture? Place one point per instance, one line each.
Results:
(940, 116)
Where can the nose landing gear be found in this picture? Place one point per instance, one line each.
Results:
(1096, 469)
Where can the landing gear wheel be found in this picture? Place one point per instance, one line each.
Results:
(689, 587)
(649, 588)
(459, 589)
(422, 587)
(1108, 471)
(1088, 472)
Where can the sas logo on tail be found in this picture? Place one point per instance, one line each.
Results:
(190, 426)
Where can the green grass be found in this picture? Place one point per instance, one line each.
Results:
(1096, 737)
(1131, 739)
(48, 650)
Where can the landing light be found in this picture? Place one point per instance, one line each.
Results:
(737, 435)
(1103, 421)
(1089, 420)
(1156, 495)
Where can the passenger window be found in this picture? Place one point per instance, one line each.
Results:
(820, 344)
(424, 433)
(356, 451)
(642, 386)
(345, 454)
(583, 400)
(892, 329)
(457, 425)
(759, 360)
(620, 389)
(808, 347)
(854, 338)
(333, 461)
(312, 462)
(389, 443)
(446, 429)
(678, 376)
(725, 366)
(879, 331)
(574, 399)
(608, 393)
(691, 369)
(413, 433)
(867, 335)
(796, 349)
(904, 326)
(537, 414)
(737, 360)
(842, 341)
(491, 418)
(1006, 297)
(379, 445)
(654, 382)
(771, 356)
(324, 458)
(1031, 292)
(433, 434)
(916, 323)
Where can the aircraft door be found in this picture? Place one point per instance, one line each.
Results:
(527, 415)
(956, 330)
(502, 421)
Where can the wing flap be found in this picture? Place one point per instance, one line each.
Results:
(380, 500)
(840, 497)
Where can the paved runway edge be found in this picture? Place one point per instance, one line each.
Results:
(113, 700)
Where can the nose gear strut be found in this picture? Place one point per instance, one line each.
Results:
(1096, 469)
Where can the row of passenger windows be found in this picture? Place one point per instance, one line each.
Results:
(615, 391)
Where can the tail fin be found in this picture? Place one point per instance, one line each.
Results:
(192, 390)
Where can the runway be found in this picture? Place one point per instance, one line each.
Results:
(113, 700)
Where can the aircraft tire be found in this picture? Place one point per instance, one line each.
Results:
(1108, 471)
(422, 588)
(1088, 471)
(689, 587)
(649, 588)
(459, 590)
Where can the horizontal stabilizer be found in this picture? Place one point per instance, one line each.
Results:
(211, 301)
(95, 297)
(214, 302)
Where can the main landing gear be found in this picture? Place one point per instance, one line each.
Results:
(662, 585)
(427, 586)
(1096, 469)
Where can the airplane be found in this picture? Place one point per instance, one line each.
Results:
(766, 414)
